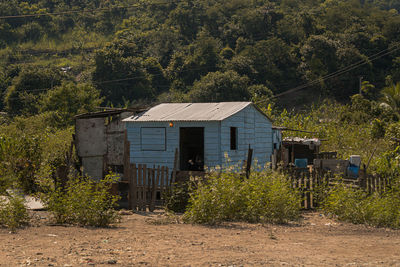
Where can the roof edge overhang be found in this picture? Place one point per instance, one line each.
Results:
(129, 119)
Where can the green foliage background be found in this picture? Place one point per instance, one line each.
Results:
(135, 51)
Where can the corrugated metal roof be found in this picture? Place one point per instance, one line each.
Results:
(190, 112)
(304, 141)
(108, 112)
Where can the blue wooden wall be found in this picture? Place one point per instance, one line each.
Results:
(166, 157)
(253, 129)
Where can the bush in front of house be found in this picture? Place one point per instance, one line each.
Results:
(83, 202)
(356, 206)
(265, 197)
(177, 199)
(13, 212)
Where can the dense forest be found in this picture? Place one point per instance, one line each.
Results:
(141, 52)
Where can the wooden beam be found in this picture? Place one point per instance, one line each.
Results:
(175, 168)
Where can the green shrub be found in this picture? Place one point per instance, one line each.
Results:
(346, 203)
(13, 212)
(264, 197)
(356, 206)
(84, 202)
(385, 210)
(30, 151)
(270, 198)
(178, 199)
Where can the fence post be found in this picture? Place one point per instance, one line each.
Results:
(140, 186)
(162, 180)
(156, 180)
(133, 186)
(167, 178)
(304, 185)
(310, 190)
(144, 187)
(149, 185)
(175, 168)
(249, 161)
(363, 178)
(152, 187)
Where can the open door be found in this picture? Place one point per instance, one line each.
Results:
(191, 142)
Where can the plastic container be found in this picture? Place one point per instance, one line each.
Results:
(301, 163)
(353, 171)
(355, 160)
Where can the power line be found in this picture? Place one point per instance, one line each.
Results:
(331, 75)
(328, 76)
(341, 71)
(81, 11)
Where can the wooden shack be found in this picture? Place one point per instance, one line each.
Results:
(299, 148)
(204, 134)
(99, 141)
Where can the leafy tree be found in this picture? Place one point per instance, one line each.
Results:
(200, 57)
(119, 74)
(187, 17)
(22, 96)
(391, 97)
(156, 75)
(369, 90)
(68, 100)
(260, 94)
(272, 61)
(220, 86)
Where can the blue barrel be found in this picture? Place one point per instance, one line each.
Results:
(301, 163)
(353, 171)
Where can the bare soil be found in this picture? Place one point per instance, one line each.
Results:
(154, 239)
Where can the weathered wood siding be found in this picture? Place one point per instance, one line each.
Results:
(253, 129)
(166, 157)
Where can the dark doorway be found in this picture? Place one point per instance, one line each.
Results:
(191, 142)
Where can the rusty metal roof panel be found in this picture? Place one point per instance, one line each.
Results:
(190, 112)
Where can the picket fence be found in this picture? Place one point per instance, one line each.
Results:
(310, 182)
(147, 186)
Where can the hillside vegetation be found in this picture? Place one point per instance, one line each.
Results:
(144, 51)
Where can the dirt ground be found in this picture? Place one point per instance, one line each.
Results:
(147, 239)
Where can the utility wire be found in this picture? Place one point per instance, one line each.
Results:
(328, 76)
(341, 71)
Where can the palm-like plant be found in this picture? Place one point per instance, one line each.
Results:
(391, 97)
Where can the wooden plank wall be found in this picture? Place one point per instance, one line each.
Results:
(144, 183)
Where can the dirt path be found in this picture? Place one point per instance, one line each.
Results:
(145, 240)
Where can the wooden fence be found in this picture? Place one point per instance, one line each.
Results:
(373, 183)
(145, 184)
(311, 182)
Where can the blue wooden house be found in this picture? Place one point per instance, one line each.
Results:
(203, 133)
